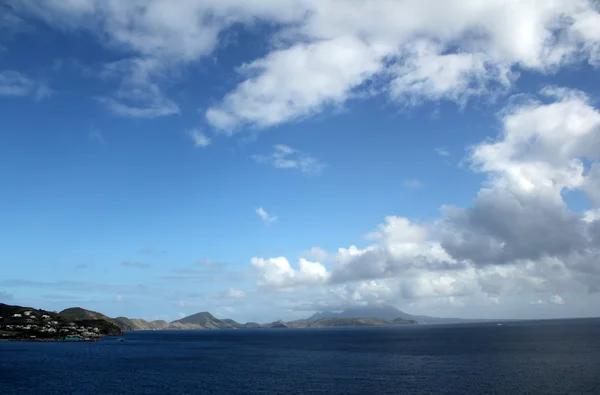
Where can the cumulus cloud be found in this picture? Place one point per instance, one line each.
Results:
(326, 51)
(519, 236)
(317, 253)
(286, 157)
(401, 249)
(428, 73)
(267, 218)
(297, 82)
(200, 139)
(278, 273)
(521, 216)
(409, 50)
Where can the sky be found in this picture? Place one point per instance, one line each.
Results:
(265, 160)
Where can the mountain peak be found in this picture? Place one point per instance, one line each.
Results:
(384, 312)
(205, 319)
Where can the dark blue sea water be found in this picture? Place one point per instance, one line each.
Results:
(544, 357)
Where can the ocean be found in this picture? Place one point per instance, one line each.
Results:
(533, 357)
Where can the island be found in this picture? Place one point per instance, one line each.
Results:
(29, 324)
(79, 324)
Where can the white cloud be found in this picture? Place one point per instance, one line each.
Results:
(200, 139)
(266, 217)
(318, 253)
(327, 49)
(278, 273)
(286, 157)
(522, 215)
(297, 82)
(235, 293)
(412, 184)
(412, 49)
(402, 248)
(518, 238)
(160, 35)
(430, 74)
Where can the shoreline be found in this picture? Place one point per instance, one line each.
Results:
(49, 340)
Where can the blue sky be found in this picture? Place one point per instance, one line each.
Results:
(160, 159)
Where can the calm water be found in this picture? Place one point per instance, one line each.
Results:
(551, 357)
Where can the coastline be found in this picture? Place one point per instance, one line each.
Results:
(52, 340)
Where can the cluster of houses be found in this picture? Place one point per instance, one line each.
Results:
(44, 326)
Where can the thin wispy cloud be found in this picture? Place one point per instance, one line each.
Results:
(199, 139)
(412, 184)
(235, 293)
(137, 94)
(267, 218)
(286, 157)
(13, 83)
(136, 265)
(442, 151)
(97, 136)
(152, 251)
(43, 91)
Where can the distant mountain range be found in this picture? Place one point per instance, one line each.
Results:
(355, 316)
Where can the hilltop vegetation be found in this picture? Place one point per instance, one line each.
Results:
(27, 322)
